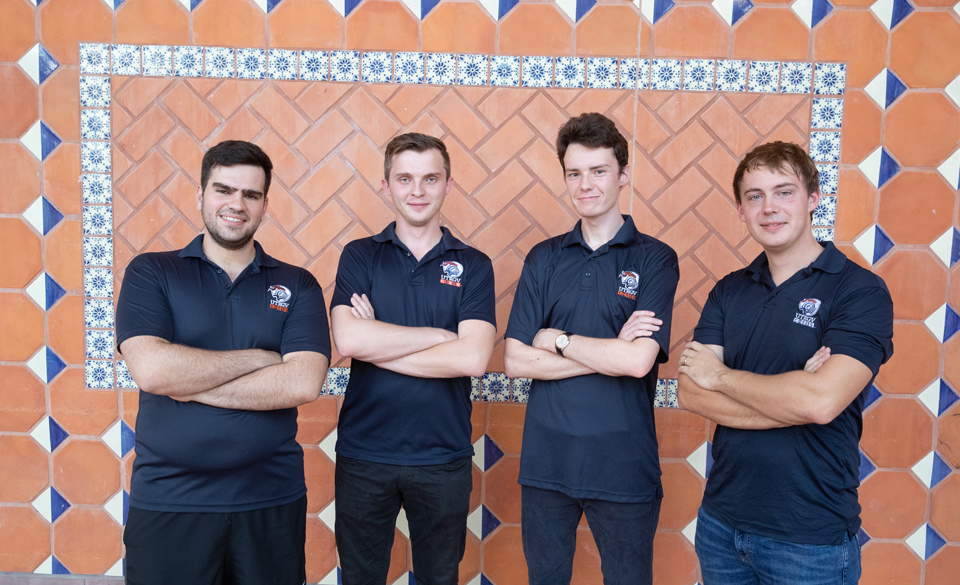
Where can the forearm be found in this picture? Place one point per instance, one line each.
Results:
(720, 408)
(298, 380)
(168, 369)
(467, 355)
(374, 341)
(793, 397)
(524, 361)
(613, 357)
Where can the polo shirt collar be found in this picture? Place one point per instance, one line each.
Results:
(624, 237)
(831, 261)
(260, 260)
(447, 240)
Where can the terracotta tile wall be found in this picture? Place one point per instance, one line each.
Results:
(890, 154)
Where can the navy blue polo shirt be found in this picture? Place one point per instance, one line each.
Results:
(394, 418)
(197, 458)
(797, 483)
(594, 436)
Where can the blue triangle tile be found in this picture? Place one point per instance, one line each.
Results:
(51, 215)
(661, 7)
(55, 365)
(49, 141)
(194, 4)
(426, 6)
(888, 168)
(412, 579)
(117, 4)
(901, 10)
(947, 397)
(128, 439)
(821, 8)
(57, 434)
(506, 6)
(955, 248)
(47, 64)
(58, 568)
(740, 9)
(934, 542)
(709, 458)
(951, 323)
(862, 537)
(882, 244)
(895, 88)
(126, 506)
(58, 505)
(872, 396)
(350, 5)
(271, 4)
(489, 522)
(866, 467)
(484, 580)
(54, 291)
(491, 453)
(940, 470)
(583, 7)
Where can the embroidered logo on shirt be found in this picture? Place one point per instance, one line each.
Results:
(451, 272)
(280, 298)
(808, 308)
(629, 283)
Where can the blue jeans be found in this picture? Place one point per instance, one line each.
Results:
(623, 533)
(436, 499)
(732, 557)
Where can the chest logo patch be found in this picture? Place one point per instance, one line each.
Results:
(451, 272)
(280, 298)
(808, 309)
(629, 283)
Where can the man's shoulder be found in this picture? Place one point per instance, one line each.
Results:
(655, 249)
(158, 260)
(285, 269)
(547, 248)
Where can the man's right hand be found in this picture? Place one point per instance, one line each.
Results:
(640, 324)
(816, 360)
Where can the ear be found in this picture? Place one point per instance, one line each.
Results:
(625, 175)
(449, 186)
(813, 201)
(199, 197)
(385, 185)
(740, 214)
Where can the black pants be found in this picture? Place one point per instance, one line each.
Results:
(436, 499)
(237, 548)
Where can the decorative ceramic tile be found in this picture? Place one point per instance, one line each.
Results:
(220, 62)
(337, 380)
(94, 58)
(537, 71)
(97, 251)
(672, 401)
(251, 63)
(634, 74)
(95, 124)
(98, 374)
(665, 74)
(827, 113)
(731, 75)
(97, 220)
(125, 59)
(829, 178)
(442, 69)
(98, 313)
(830, 78)
(314, 65)
(473, 70)
(94, 91)
(377, 67)
(698, 74)
(826, 213)
(98, 282)
(282, 64)
(475, 389)
(660, 394)
(157, 60)
(188, 61)
(601, 73)
(764, 76)
(879, 167)
(796, 77)
(886, 87)
(344, 66)
(823, 234)
(873, 244)
(124, 379)
(99, 344)
(409, 68)
(825, 146)
(521, 389)
(496, 387)
(96, 189)
(95, 157)
(505, 71)
(570, 71)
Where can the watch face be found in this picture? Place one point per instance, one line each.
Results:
(563, 341)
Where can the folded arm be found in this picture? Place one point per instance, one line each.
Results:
(467, 355)
(357, 334)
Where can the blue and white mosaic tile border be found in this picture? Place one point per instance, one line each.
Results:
(99, 61)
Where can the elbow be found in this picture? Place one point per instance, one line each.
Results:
(345, 346)
(822, 413)
(476, 366)
(683, 393)
(511, 366)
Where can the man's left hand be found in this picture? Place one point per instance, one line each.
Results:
(702, 365)
(546, 339)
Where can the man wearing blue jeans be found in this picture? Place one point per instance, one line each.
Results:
(590, 324)
(780, 506)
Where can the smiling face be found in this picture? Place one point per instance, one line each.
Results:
(233, 204)
(776, 208)
(594, 180)
(418, 184)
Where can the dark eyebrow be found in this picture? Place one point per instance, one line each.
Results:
(775, 188)
(603, 166)
(229, 189)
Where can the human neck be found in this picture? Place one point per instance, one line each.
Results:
(232, 262)
(419, 239)
(785, 263)
(597, 231)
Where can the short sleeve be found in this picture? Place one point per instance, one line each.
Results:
(306, 328)
(478, 301)
(861, 326)
(353, 276)
(657, 291)
(143, 307)
(526, 315)
(709, 330)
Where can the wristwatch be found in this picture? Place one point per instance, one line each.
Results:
(563, 340)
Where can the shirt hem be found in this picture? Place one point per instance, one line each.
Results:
(214, 508)
(594, 494)
(407, 461)
(791, 536)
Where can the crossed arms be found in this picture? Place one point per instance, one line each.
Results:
(249, 379)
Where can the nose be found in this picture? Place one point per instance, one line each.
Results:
(770, 204)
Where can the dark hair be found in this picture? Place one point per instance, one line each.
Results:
(232, 153)
(593, 130)
(779, 156)
(416, 142)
